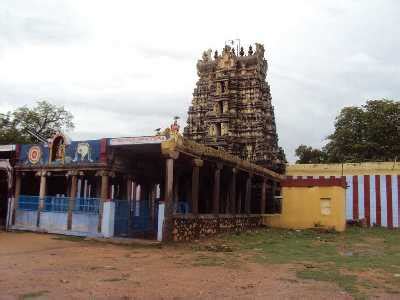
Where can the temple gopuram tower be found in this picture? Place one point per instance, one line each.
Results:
(231, 107)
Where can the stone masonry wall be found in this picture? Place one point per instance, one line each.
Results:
(190, 227)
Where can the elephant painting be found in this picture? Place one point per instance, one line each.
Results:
(82, 152)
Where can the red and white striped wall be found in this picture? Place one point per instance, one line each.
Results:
(375, 198)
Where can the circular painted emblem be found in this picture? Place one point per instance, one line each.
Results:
(34, 154)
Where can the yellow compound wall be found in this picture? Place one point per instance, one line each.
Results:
(370, 168)
(303, 208)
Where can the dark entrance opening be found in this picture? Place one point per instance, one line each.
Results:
(3, 198)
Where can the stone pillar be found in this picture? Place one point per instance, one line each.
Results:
(216, 189)
(107, 222)
(232, 192)
(104, 197)
(144, 191)
(274, 186)
(197, 163)
(17, 192)
(133, 196)
(42, 191)
(273, 194)
(42, 194)
(134, 187)
(278, 189)
(152, 197)
(169, 194)
(147, 194)
(175, 189)
(263, 196)
(169, 186)
(128, 188)
(104, 186)
(239, 203)
(71, 204)
(247, 201)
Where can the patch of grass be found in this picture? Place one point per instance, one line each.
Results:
(212, 248)
(33, 295)
(356, 249)
(206, 260)
(352, 259)
(346, 282)
(290, 280)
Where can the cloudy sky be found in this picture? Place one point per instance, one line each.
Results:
(124, 68)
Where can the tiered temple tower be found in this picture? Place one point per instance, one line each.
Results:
(231, 107)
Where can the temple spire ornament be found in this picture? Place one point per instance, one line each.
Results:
(175, 126)
(215, 54)
(231, 107)
(250, 52)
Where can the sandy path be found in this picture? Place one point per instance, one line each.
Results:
(37, 266)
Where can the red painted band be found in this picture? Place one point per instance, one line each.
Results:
(389, 208)
(367, 201)
(398, 200)
(313, 182)
(355, 198)
(378, 199)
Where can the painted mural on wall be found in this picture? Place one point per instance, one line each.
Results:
(61, 151)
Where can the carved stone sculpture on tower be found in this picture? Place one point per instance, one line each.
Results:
(231, 107)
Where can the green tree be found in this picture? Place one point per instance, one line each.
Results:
(44, 118)
(367, 133)
(309, 155)
(347, 143)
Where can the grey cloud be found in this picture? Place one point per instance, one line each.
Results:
(125, 106)
(52, 22)
(155, 52)
(341, 55)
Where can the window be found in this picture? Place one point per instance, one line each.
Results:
(217, 107)
(225, 107)
(325, 206)
(226, 87)
(218, 89)
(278, 204)
(58, 149)
(218, 129)
(224, 128)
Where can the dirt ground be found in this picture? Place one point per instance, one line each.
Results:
(41, 266)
